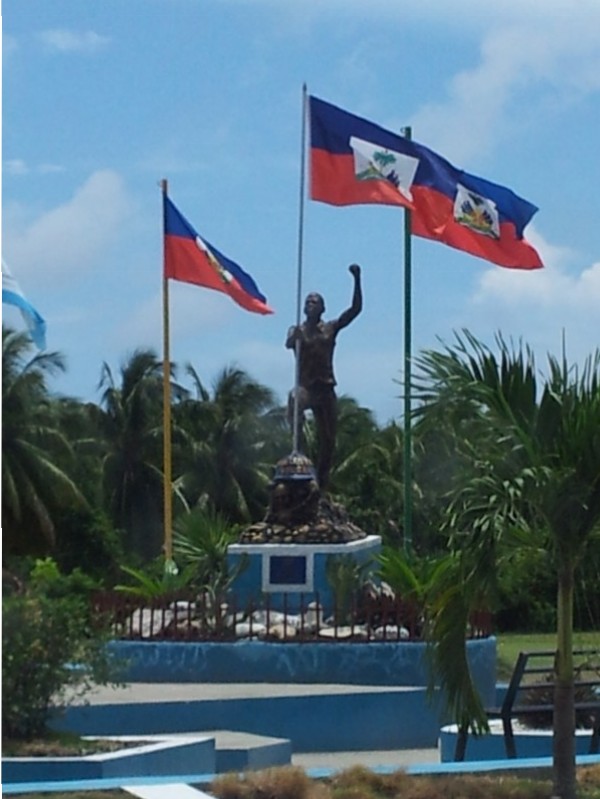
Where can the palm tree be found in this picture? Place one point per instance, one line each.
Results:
(34, 486)
(356, 427)
(227, 441)
(78, 422)
(130, 425)
(368, 477)
(530, 476)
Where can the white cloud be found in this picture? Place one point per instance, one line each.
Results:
(465, 16)
(17, 167)
(539, 306)
(61, 40)
(546, 289)
(550, 288)
(559, 57)
(69, 240)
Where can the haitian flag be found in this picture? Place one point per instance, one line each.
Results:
(191, 259)
(353, 161)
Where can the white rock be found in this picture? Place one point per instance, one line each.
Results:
(313, 616)
(244, 629)
(182, 606)
(282, 631)
(331, 632)
(272, 617)
(146, 622)
(391, 632)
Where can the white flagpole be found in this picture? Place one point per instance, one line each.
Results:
(296, 419)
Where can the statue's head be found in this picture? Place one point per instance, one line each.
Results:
(314, 305)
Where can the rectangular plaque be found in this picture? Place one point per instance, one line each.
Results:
(287, 570)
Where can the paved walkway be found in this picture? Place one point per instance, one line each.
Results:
(188, 692)
(396, 759)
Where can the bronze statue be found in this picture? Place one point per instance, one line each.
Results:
(316, 381)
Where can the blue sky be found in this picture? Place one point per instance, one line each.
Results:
(103, 99)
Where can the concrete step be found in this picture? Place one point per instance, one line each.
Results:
(238, 751)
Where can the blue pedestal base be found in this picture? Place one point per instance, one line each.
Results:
(292, 575)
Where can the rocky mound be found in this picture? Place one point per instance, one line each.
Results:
(330, 525)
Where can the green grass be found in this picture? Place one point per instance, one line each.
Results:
(61, 744)
(510, 644)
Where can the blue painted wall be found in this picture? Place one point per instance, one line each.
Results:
(394, 719)
(376, 663)
(399, 718)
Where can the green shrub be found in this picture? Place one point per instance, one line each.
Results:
(53, 652)
(527, 592)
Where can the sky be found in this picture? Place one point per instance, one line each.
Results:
(103, 100)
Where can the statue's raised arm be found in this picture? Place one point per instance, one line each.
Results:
(357, 300)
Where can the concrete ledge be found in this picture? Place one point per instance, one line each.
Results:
(160, 758)
(529, 744)
(216, 751)
(538, 767)
(368, 718)
(390, 663)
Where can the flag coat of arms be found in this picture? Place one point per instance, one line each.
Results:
(354, 161)
(192, 259)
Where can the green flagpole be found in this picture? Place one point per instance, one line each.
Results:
(407, 133)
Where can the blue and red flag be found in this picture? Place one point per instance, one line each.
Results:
(353, 161)
(191, 259)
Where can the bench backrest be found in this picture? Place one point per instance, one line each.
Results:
(538, 664)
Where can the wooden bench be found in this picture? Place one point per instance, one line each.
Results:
(529, 668)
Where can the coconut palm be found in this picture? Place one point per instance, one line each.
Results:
(227, 441)
(530, 475)
(78, 422)
(34, 485)
(356, 427)
(368, 479)
(130, 424)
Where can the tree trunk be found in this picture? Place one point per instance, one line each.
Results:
(564, 777)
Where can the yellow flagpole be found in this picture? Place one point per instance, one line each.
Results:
(167, 471)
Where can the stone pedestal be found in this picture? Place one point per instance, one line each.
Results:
(292, 575)
(287, 553)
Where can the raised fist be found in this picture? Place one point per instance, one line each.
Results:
(354, 269)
